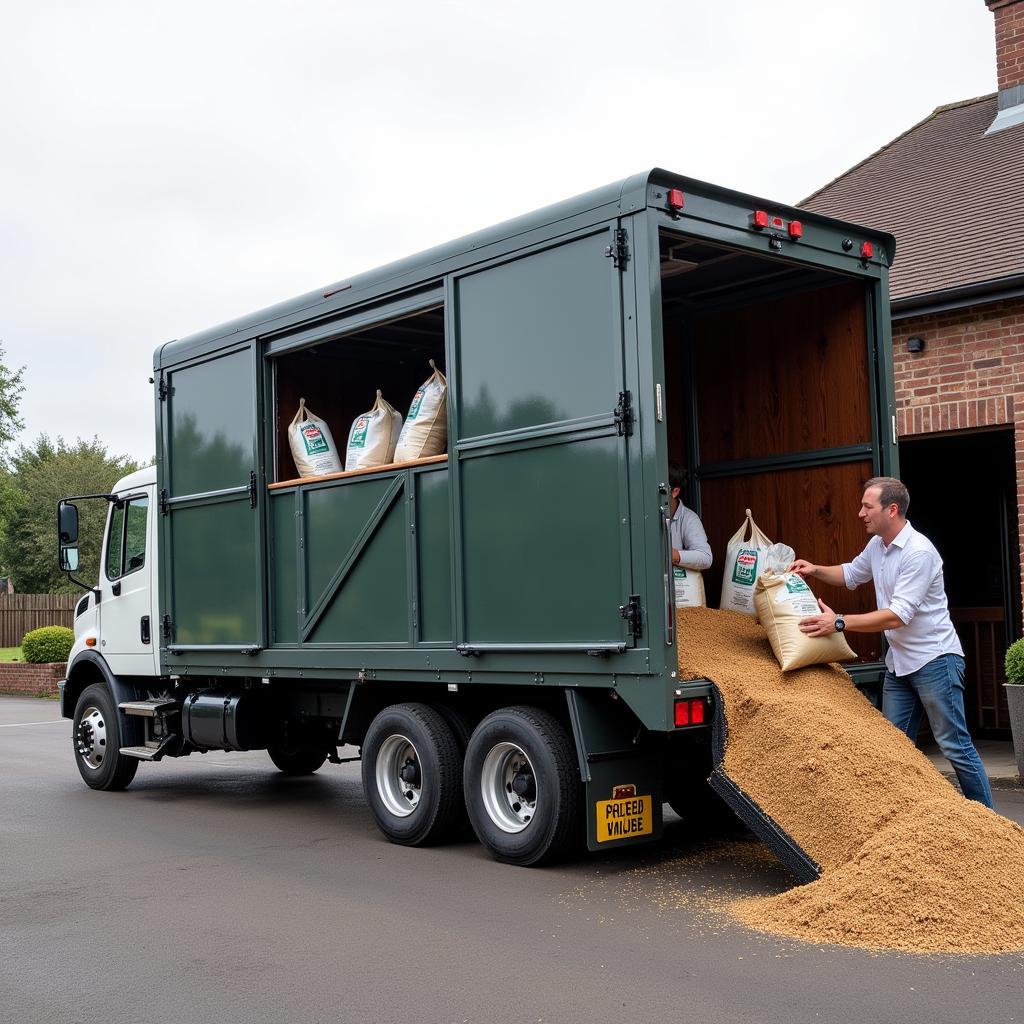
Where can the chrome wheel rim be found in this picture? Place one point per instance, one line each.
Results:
(508, 786)
(91, 738)
(398, 776)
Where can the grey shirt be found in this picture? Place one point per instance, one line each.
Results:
(689, 538)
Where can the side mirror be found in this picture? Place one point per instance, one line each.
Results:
(67, 523)
(67, 535)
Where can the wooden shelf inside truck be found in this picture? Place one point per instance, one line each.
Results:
(357, 472)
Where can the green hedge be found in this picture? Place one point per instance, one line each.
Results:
(49, 643)
(1015, 662)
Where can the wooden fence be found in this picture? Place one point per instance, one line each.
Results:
(21, 612)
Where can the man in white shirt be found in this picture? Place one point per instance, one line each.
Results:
(690, 547)
(924, 662)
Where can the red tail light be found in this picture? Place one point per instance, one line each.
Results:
(676, 200)
(760, 218)
(796, 229)
(691, 711)
(867, 250)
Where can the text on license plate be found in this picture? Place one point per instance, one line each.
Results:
(624, 818)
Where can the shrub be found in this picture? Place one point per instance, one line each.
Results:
(49, 643)
(1015, 662)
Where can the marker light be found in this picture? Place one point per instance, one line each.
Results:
(796, 229)
(867, 250)
(676, 199)
(90, 641)
(760, 218)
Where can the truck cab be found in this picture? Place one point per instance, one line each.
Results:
(117, 619)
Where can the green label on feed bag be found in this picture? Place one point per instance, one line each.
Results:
(795, 584)
(680, 572)
(744, 570)
(414, 409)
(359, 429)
(313, 438)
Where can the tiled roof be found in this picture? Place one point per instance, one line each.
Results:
(952, 196)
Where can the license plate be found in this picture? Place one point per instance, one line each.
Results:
(624, 818)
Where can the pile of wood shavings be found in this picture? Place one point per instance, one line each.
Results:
(907, 862)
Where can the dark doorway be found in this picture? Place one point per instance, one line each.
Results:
(963, 496)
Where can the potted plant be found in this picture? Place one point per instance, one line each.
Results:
(1015, 699)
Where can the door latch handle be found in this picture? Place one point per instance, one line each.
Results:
(144, 629)
(115, 589)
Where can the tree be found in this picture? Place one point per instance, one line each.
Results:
(11, 388)
(39, 477)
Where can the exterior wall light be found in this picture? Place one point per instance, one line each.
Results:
(915, 344)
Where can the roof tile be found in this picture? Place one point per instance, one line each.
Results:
(951, 195)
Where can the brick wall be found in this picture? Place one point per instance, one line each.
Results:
(970, 375)
(1009, 26)
(31, 680)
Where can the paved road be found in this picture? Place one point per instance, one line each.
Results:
(215, 889)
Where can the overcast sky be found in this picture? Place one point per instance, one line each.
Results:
(169, 167)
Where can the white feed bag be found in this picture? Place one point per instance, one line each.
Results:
(689, 584)
(374, 434)
(782, 600)
(311, 443)
(425, 432)
(743, 564)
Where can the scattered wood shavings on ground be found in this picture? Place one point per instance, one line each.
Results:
(907, 862)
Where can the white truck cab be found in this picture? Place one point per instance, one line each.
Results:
(118, 620)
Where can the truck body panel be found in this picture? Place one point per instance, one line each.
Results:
(546, 514)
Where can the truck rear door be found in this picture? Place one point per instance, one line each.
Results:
(542, 448)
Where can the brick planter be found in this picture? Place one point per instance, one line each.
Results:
(31, 680)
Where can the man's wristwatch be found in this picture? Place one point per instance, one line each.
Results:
(840, 623)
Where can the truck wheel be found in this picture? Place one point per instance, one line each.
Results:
(459, 722)
(522, 786)
(412, 775)
(96, 735)
(295, 758)
(461, 725)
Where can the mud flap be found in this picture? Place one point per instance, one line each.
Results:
(765, 827)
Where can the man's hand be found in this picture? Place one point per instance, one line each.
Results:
(675, 556)
(803, 568)
(818, 625)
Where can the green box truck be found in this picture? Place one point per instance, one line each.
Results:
(493, 626)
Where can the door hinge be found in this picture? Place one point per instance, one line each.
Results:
(162, 389)
(165, 501)
(624, 415)
(165, 627)
(252, 488)
(633, 615)
(618, 251)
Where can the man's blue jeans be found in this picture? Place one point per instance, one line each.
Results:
(937, 690)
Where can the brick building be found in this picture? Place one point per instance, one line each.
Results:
(951, 189)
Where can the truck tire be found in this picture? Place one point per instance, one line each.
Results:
(295, 758)
(522, 786)
(412, 775)
(96, 741)
(459, 722)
